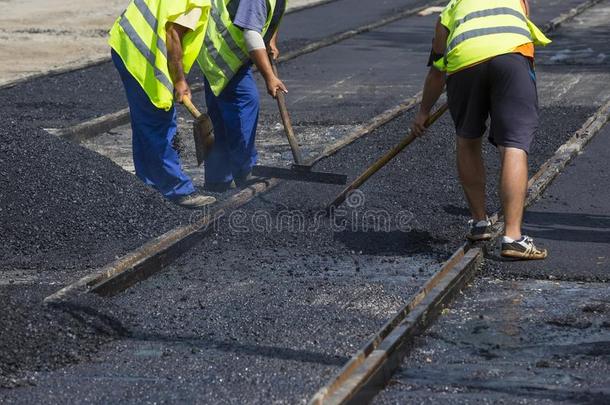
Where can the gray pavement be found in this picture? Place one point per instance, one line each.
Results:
(573, 221)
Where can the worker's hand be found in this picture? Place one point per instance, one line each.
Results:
(274, 85)
(273, 51)
(418, 127)
(181, 90)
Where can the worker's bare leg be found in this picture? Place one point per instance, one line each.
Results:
(513, 188)
(472, 175)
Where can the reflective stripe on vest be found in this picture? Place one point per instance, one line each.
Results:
(138, 37)
(146, 52)
(152, 22)
(479, 32)
(224, 52)
(223, 31)
(470, 28)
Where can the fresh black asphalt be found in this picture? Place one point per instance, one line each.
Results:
(249, 316)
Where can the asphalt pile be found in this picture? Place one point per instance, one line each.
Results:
(63, 211)
(37, 338)
(64, 207)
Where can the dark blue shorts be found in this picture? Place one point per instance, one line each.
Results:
(503, 89)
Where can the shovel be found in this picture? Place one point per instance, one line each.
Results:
(299, 171)
(203, 131)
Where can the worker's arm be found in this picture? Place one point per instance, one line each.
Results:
(272, 49)
(434, 84)
(175, 33)
(258, 54)
(526, 7)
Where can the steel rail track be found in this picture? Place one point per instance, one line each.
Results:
(371, 368)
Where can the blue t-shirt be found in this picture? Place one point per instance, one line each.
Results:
(251, 15)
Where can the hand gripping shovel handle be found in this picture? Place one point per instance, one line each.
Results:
(281, 103)
(385, 159)
(202, 131)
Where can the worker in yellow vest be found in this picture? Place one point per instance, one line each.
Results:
(484, 51)
(154, 44)
(240, 33)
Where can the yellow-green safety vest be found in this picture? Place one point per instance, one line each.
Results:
(224, 51)
(138, 36)
(479, 30)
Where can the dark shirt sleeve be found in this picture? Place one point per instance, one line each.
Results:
(434, 57)
(251, 15)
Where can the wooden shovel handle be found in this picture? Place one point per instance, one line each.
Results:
(382, 161)
(191, 107)
(281, 103)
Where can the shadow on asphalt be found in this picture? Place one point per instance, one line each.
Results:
(282, 353)
(393, 243)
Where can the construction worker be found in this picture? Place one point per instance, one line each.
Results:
(484, 51)
(241, 32)
(154, 44)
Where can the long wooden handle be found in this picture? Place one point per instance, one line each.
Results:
(281, 103)
(384, 160)
(191, 107)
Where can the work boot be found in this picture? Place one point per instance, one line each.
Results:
(479, 231)
(523, 248)
(244, 180)
(194, 201)
(219, 187)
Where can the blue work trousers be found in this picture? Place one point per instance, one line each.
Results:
(234, 114)
(153, 130)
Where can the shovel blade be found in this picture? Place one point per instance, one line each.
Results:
(299, 174)
(203, 133)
